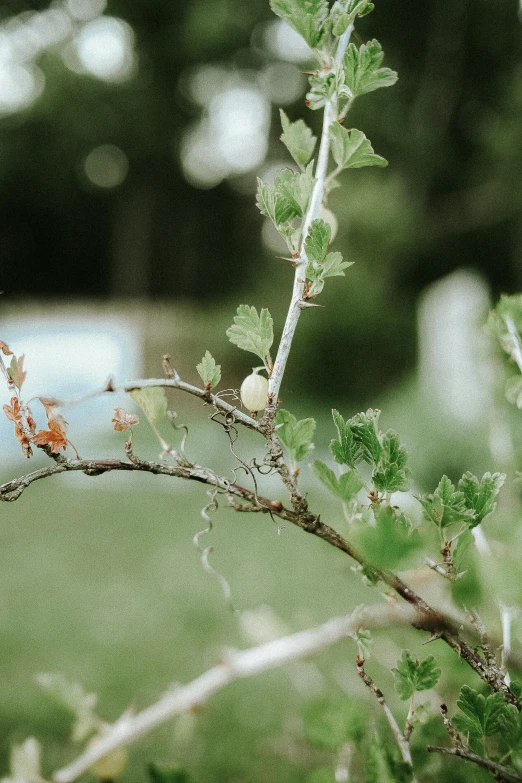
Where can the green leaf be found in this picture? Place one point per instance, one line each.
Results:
(510, 728)
(16, 371)
(209, 371)
(446, 506)
(362, 69)
(252, 332)
(317, 241)
(296, 435)
(412, 675)
(334, 266)
(506, 323)
(307, 17)
(152, 401)
(266, 200)
(364, 427)
(480, 496)
(343, 13)
(352, 150)
(298, 139)
(161, 774)
(322, 88)
(481, 714)
(345, 486)
(390, 540)
(329, 722)
(391, 473)
(346, 450)
(72, 696)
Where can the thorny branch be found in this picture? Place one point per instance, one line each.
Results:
(297, 302)
(491, 766)
(427, 618)
(236, 664)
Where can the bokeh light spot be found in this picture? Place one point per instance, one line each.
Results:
(105, 48)
(106, 166)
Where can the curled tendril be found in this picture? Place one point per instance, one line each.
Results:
(211, 507)
(172, 416)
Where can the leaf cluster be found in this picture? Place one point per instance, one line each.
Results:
(468, 503)
(317, 23)
(505, 322)
(412, 675)
(286, 200)
(321, 263)
(359, 440)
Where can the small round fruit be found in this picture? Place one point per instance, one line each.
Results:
(110, 766)
(254, 391)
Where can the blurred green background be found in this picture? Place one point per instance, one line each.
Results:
(131, 135)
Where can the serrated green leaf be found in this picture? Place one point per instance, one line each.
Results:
(364, 427)
(317, 241)
(72, 696)
(334, 266)
(252, 332)
(480, 496)
(307, 17)
(296, 435)
(352, 150)
(344, 12)
(152, 401)
(345, 486)
(266, 200)
(481, 714)
(412, 675)
(298, 139)
(209, 371)
(346, 450)
(391, 473)
(322, 88)
(446, 506)
(161, 774)
(362, 69)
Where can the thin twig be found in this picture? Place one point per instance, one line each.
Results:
(491, 766)
(401, 740)
(235, 666)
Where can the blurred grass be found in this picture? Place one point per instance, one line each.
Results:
(100, 581)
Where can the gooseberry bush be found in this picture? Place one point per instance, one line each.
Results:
(367, 474)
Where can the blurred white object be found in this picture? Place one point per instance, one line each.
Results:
(453, 347)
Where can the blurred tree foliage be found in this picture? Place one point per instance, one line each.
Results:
(451, 130)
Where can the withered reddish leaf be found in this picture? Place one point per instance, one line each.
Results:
(5, 349)
(55, 436)
(12, 411)
(123, 420)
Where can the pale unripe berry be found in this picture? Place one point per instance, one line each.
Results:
(110, 766)
(254, 391)
(328, 216)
